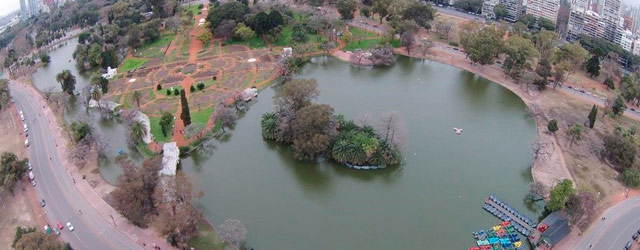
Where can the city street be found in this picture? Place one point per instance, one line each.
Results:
(620, 223)
(55, 185)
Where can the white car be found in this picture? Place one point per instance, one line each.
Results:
(26, 129)
(26, 143)
(69, 226)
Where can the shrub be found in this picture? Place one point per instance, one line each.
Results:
(158, 87)
(168, 92)
(192, 88)
(200, 6)
(200, 85)
(630, 177)
(215, 78)
(176, 91)
(552, 126)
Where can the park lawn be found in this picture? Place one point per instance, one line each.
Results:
(255, 42)
(206, 239)
(132, 63)
(156, 130)
(184, 49)
(358, 32)
(127, 97)
(202, 115)
(193, 8)
(163, 91)
(155, 48)
(152, 95)
(365, 44)
(144, 149)
(247, 80)
(285, 37)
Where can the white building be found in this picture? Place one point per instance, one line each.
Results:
(636, 47)
(514, 9)
(626, 40)
(487, 8)
(110, 73)
(544, 8)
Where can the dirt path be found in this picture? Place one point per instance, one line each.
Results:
(195, 46)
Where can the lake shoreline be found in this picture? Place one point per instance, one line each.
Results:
(545, 170)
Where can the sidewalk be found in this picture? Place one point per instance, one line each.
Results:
(108, 213)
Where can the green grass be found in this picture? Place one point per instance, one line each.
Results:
(193, 8)
(156, 130)
(253, 43)
(155, 48)
(152, 94)
(365, 44)
(202, 115)
(144, 150)
(163, 91)
(132, 63)
(247, 80)
(357, 32)
(127, 98)
(285, 37)
(206, 239)
(184, 49)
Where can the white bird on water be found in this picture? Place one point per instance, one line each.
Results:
(457, 130)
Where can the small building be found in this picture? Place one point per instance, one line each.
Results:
(249, 93)
(201, 22)
(551, 231)
(170, 158)
(288, 51)
(110, 73)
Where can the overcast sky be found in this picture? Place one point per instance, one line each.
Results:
(9, 6)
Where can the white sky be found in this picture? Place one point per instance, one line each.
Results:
(8, 6)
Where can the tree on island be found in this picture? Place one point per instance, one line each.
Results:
(133, 196)
(185, 115)
(560, 194)
(67, 81)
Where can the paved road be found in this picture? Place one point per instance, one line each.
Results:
(621, 222)
(456, 13)
(630, 112)
(55, 185)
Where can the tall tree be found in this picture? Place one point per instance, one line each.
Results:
(226, 117)
(484, 46)
(165, 121)
(12, 170)
(185, 115)
(593, 66)
(177, 218)
(500, 11)
(313, 130)
(519, 51)
(560, 194)
(346, 8)
(39, 240)
(575, 133)
(381, 7)
(592, 116)
(67, 81)
(100, 82)
(421, 13)
(133, 196)
(138, 131)
(5, 95)
(573, 53)
(544, 43)
(136, 97)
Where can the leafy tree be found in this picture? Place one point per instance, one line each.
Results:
(560, 194)
(519, 51)
(618, 106)
(169, 91)
(159, 87)
(609, 82)
(192, 88)
(575, 133)
(299, 34)
(572, 53)
(165, 121)
(12, 170)
(629, 89)
(630, 177)
(243, 32)
(620, 149)
(133, 196)
(382, 56)
(205, 36)
(529, 20)
(226, 117)
(408, 39)
(232, 232)
(96, 95)
(45, 58)
(225, 30)
(20, 231)
(381, 7)
(5, 95)
(275, 19)
(231, 10)
(544, 43)
(194, 130)
(365, 11)
(560, 71)
(346, 8)
(100, 82)
(592, 116)
(313, 130)
(185, 115)
(38, 240)
(269, 125)
(500, 11)
(80, 130)
(483, 46)
(138, 131)
(136, 97)
(421, 13)
(67, 81)
(552, 126)
(546, 24)
(593, 66)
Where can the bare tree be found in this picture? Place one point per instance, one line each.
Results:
(356, 57)
(48, 92)
(382, 56)
(226, 117)
(391, 129)
(194, 130)
(232, 231)
(364, 119)
(537, 191)
(443, 29)
(581, 208)
(177, 218)
(541, 149)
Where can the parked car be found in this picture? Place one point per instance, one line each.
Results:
(69, 226)
(30, 167)
(628, 245)
(635, 236)
(59, 225)
(55, 231)
(33, 183)
(26, 142)
(42, 203)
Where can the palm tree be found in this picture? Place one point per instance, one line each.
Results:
(138, 131)
(67, 81)
(269, 125)
(136, 97)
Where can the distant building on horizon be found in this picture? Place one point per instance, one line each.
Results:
(24, 12)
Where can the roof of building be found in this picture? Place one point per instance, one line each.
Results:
(558, 227)
(170, 157)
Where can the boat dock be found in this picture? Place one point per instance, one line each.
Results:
(504, 212)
